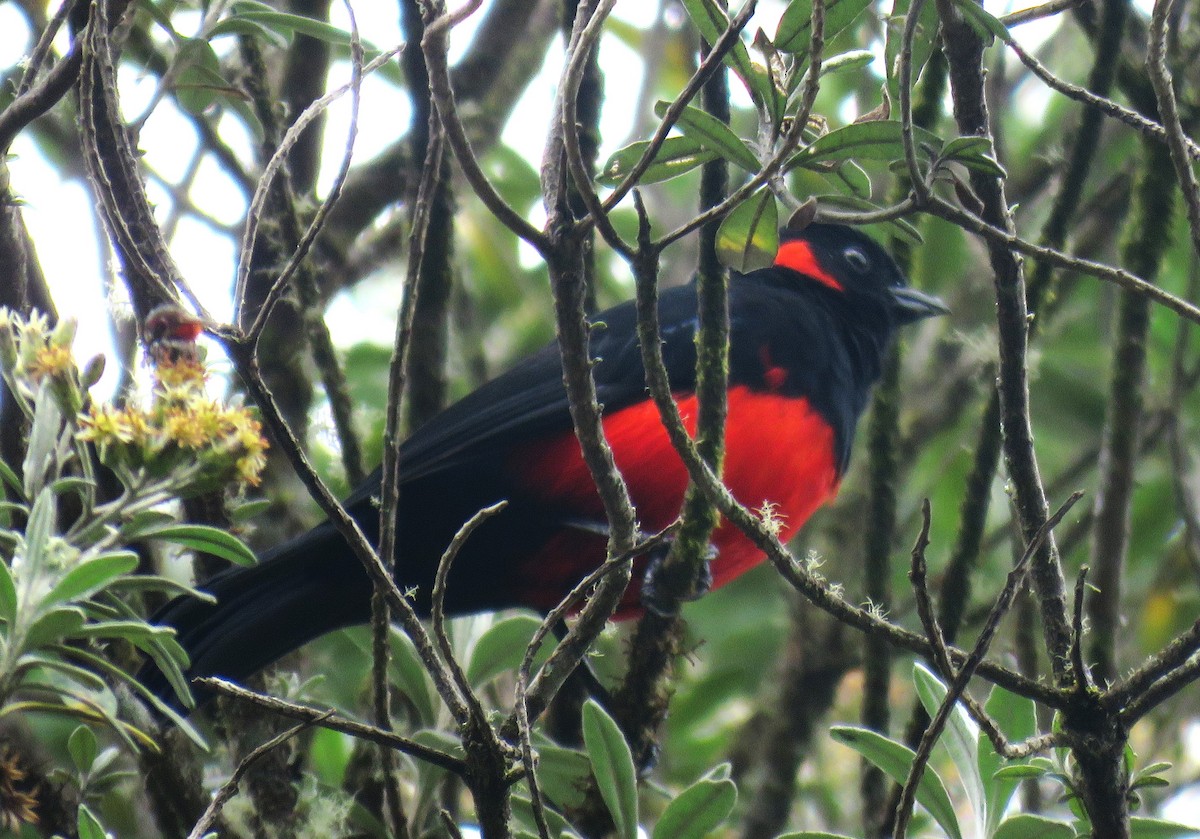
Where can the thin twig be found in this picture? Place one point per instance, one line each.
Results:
(958, 684)
(254, 212)
(1168, 109)
(336, 722)
(230, 788)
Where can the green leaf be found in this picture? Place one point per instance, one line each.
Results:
(83, 748)
(676, 156)
(960, 737)
(502, 648)
(91, 576)
(50, 660)
(198, 82)
(10, 479)
(854, 178)
(713, 135)
(1143, 828)
(249, 510)
(924, 39)
(205, 539)
(563, 773)
(794, 33)
(612, 764)
(1019, 772)
(749, 236)
(698, 810)
(895, 759)
(8, 594)
(813, 834)
(38, 531)
(287, 24)
(985, 24)
(523, 813)
(1033, 827)
(967, 145)
(877, 140)
(847, 61)
(54, 626)
(410, 676)
(900, 227)
(1017, 719)
(77, 485)
(246, 26)
(44, 434)
(711, 21)
(89, 825)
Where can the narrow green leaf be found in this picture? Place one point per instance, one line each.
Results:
(8, 594)
(1026, 826)
(749, 236)
(984, 163)
(199, 82)
(711, 21)
(205, 539)
(794, 32)
(982, 22)
(54, 626)
(410, 676)
(612, 764)
(854, 178)
(49, 659)
(83, 748)
(698, 810)
(1017, 719)
(72, 484)
(967, 146)
(563, 773)
(900, 227)
(44, 434)
(813, 834)
(713, 135)
(877, 140)
(847, 61)
(1019, 772)
(960, 737)
(89, 826)
(502, 648)
(238, 25)
(10, 479)
(924, 39)
(89, 577)
(1144, 828)
(675, 157)
(38, 531)
(288, 24)
(895, 759)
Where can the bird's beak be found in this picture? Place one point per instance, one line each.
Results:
(911, 305)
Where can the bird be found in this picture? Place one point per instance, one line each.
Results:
(807, 340)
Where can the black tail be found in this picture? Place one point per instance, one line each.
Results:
(297, 592)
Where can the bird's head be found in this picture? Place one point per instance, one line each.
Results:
(853, 264)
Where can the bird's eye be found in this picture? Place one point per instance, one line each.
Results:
(856, 259)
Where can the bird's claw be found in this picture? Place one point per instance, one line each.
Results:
(661, 586)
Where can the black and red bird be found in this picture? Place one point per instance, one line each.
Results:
(807, 340)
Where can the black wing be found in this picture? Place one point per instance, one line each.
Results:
(529, 400)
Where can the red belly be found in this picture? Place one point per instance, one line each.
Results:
(778, 451)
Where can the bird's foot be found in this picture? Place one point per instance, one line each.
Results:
(666, 588)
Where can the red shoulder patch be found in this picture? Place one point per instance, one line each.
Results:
(797, 255)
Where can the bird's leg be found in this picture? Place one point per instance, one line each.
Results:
(661, 584)
(662, 590)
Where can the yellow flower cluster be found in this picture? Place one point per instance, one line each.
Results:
(183, 427)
